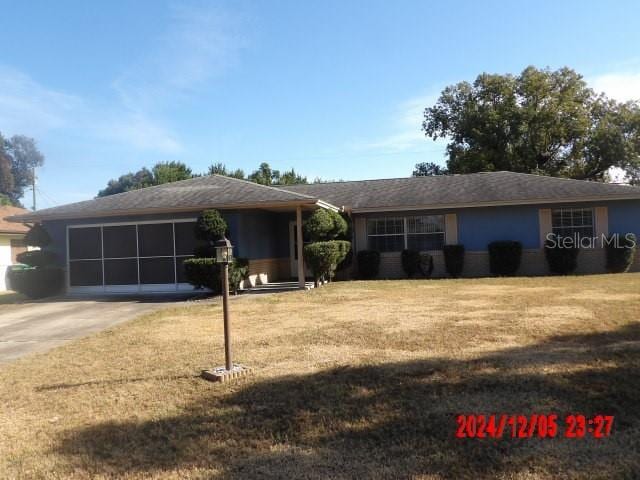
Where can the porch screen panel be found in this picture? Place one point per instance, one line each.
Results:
(85, 257)
(157, 270)
(85, 243)
(85, 273)
(120, 241)
(155, 240)
(121, 271)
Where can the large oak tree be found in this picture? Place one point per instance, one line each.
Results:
(541, 121)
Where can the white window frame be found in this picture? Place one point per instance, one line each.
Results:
(405, 233)
(133, 288)
(573, 227)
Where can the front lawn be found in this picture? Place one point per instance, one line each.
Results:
(353, 380)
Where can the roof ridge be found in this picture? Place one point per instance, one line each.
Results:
(410, 177)
(260, 185)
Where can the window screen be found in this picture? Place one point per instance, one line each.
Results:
(569, 222)
(85, 243)
(186, 241)
(120, 241)
(155, 240)
(121, 272)
(85, 273)
(157, 270)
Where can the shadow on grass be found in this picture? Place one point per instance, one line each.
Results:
(395, 420)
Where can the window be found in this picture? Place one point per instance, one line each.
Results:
(393, 234)
(130, 254)
(386, 234)
(425, 233)
(572, 222)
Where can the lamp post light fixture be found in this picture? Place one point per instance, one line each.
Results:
(224, 256)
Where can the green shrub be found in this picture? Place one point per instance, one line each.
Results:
(323, 257)
(37, 258)
(210, 226)
(238, 271)
(37, 282)
(410, 262)
(203, 273)
(324, 225)
(37, 236)
(368, 264)
(621, 250)
(426, 264)
(561, 260)
(504, 257)
(453, 259)
(206, 273)
(205, 251)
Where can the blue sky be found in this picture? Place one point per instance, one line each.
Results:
(335, 89)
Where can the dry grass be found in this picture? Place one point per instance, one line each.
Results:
(354, 380)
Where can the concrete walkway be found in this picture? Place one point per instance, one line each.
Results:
(39, 326)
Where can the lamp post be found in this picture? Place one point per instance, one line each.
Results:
(224, 256)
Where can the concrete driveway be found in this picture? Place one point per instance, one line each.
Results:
(39, 326)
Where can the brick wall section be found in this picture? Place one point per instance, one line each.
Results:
(476, 264)
(268, 270)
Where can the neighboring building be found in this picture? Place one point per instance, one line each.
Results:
(136, 241)
(11, 241)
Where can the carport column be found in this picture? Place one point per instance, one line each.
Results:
(301, 279)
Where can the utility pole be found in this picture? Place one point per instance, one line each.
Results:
(33, 187)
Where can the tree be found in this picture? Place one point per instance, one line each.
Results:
(541, 121)
(428, 169)
(163, 172)
(264, 175)
(290, 177)
(19, 156)
(210, 226)
(221, 169)
(167, 172)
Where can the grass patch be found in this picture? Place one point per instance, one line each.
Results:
(353, 380)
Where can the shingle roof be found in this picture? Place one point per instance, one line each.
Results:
(10, 227)
(462, 190)
(477, 189)
(213, 191)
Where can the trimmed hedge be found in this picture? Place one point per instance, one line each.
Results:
(324, 257)
(414, 262)
(37, 236)
(37, 258)
(206, 273)
(453, 259)
(561, 260)
(368, 264)
(210, 226)
(324, 225)
(36, 282)
(504, 257)
(620, 250)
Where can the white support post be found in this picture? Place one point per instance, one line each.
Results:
(299, 240)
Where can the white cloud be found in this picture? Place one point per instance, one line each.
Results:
(26, 106)
(622, 86)
(197, 45)
(405, 130)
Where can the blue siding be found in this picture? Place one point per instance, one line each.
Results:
(624, 217)
(477, 227)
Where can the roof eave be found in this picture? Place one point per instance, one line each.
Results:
(492, 204)
(34, 217)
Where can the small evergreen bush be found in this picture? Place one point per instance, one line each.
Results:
(323, 225)
(410, 262)
(210, 226)
(453, 259)
(621, 251)
(206, 273)
(426, 264)
(368, 264)
(561, 260)
(504, 257)
(324, 257)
